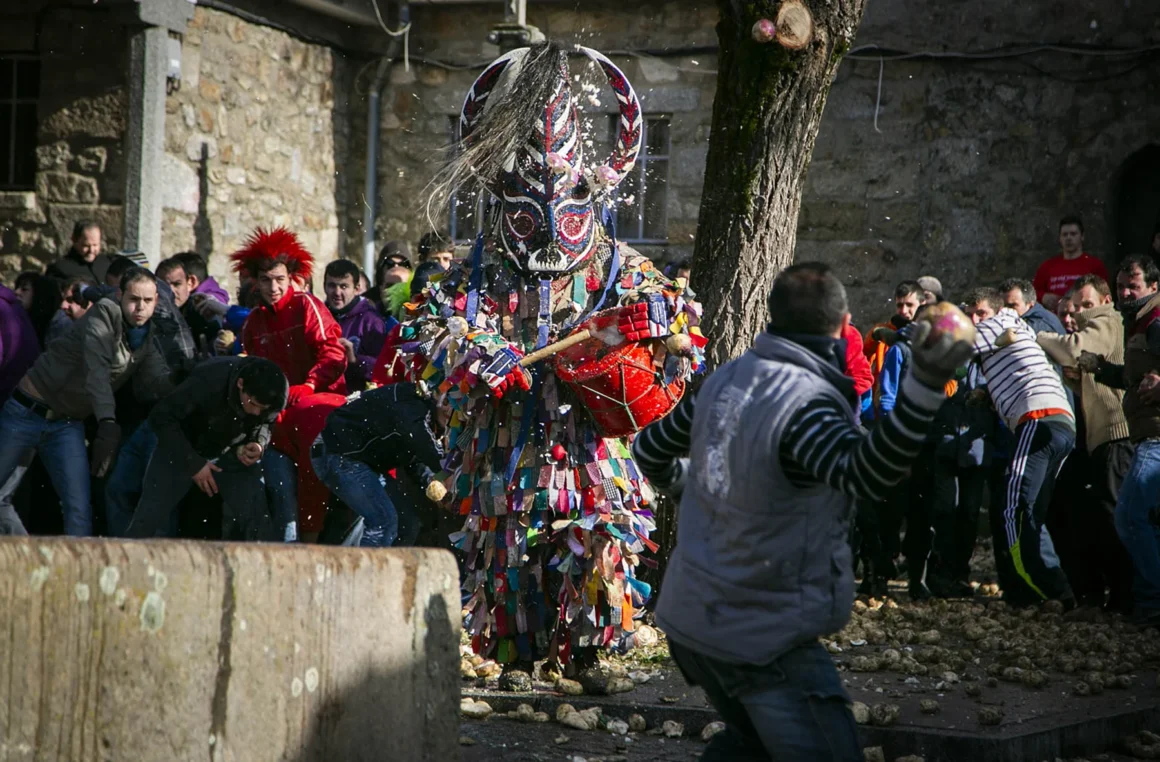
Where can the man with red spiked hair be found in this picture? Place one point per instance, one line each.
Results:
(296, 331)
(290, 327)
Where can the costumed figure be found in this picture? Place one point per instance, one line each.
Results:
(296, 331)
(547, 349)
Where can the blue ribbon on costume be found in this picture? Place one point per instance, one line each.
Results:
(525, 426)
(545, 318)
(476, 281)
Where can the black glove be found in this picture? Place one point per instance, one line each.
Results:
(938, 362)
(1089, 362)
(105, 446)
(884, 335)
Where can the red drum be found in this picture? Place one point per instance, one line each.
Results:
(618, 382)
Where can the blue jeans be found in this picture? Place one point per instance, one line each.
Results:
(793, 709)
(1136, 525)
(359, 486)
(123, 489)
(61, 445)
(281, 480)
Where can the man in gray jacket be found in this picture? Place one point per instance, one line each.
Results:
(74, 378)
(762, 565)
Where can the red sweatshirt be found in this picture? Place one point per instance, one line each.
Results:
(1056, 275)
(301, 337)
(857, 366)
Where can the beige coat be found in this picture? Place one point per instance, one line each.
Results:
(79, 372)
(1101, 332)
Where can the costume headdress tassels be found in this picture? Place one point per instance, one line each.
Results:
(267, 247)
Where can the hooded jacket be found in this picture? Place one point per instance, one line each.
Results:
(300, 337)
(18, 344)
(203, 418)
(1141, 357)
(79, 373)
(210, 287)
(1101, 332)
(388, 427)
(363, 326)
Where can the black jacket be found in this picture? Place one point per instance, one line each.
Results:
(388, 427)
(72, 266)
(203, 418)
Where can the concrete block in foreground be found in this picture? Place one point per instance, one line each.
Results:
(169, 651)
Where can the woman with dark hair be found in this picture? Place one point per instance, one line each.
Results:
(40, 296)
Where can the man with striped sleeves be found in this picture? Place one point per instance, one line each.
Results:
(1029, 396)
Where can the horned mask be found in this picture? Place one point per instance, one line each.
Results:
(522, 110)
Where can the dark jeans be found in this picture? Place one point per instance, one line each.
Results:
(281, 479)
(793, 709)
(166, 482)
(61, 444)
(925, 481)
(361, 487)
(123, 489)
(879, 525)
(1028, 567)
(1136, 524)
(955, 500)
(1100, 561)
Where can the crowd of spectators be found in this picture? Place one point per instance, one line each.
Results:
(124, 388)
(1067, 370)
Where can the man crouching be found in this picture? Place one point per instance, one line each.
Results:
(211, 432)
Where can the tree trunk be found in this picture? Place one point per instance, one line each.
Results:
(766, 115)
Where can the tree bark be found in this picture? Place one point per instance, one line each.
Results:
(766, 115)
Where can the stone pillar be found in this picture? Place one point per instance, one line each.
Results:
(166, 651)
(145, 140)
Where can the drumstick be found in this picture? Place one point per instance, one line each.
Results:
(555, 348)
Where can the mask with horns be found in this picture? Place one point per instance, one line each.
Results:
(521, 141)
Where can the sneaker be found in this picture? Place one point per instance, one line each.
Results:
(918, 591)
(942, 588)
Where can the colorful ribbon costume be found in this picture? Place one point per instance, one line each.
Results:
(556, 516)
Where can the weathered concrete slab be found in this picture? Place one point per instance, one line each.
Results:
(173, 651)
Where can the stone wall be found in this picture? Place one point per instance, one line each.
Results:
(966, 175)
(973, 163)
(418, 105)
(82, 114)
(257, 135)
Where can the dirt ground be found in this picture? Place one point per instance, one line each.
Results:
(945, 666)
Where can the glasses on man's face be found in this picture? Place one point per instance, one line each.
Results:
(397, 263)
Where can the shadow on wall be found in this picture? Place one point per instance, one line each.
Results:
(202, 227)
(371, 721)
(1136, 198)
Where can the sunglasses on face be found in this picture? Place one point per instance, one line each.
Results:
(393, 262)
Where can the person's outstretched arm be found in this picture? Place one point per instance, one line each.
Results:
(659, 447)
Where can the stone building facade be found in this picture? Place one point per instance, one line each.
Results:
(255, 133)
(957, 167)
(76, 160)
(938, 162)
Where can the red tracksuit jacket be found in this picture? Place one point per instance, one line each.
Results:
(301, 337)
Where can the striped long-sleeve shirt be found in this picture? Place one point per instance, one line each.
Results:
(821, 445)
(1020, 378)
